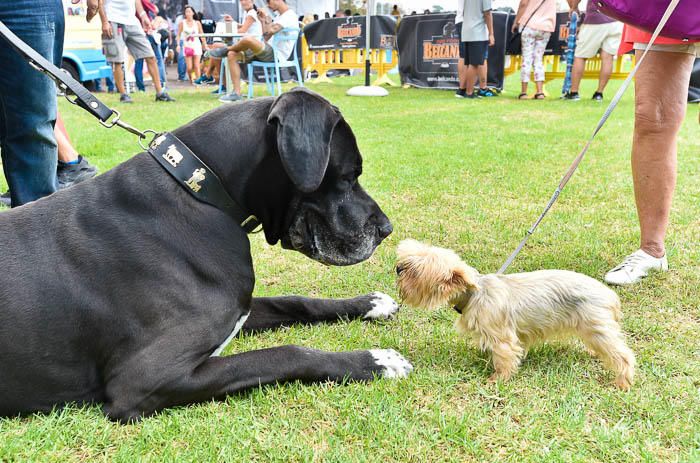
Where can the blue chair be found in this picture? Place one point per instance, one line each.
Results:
(286, 34)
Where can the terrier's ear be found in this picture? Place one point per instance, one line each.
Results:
(464, 279)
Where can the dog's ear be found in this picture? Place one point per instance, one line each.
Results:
(305, 123)
(464, 278)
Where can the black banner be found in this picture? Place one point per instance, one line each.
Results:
(429, 50)
(346, 33)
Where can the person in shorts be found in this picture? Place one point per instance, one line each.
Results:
(252, 48)
(598, 32)
(477, 35)
(123, 26)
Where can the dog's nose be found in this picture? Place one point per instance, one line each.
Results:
(385, 229)
(458, 309)
(399, 269)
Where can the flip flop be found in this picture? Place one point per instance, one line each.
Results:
(539, 96)
(522, 96)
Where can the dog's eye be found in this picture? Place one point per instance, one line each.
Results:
(399, 269)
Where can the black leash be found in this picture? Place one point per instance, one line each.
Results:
(173, 155)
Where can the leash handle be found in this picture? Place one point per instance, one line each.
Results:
(63, 80)
(613, 104)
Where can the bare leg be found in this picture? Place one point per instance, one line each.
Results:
(153, 71)
(118, 71)
(577, 73)
(196, 65)
(483, 75)
(661, 90)
(540, 86)
(66, 152)
(605, 70)
(189, 64)
(235, 70)
(471, 78)
(462, 73)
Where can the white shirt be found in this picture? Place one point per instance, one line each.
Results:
(255, 29)
(288, 19)
(122, 12)
(459, 17)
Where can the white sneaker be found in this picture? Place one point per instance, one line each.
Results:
(635, 267)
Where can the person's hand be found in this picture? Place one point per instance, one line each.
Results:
(514, 28)
(93, 7)
(261, 13)
(146, 23)
(106, 30)
(574, 10)
(228, 18)
(492, 40)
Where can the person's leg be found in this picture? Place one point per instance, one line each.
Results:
(28, 100)
(577, 73)
(661, 90)
(138, 74)
(234, 67)
(190, 71)
(605, 70)
(66, 152)
(118, 70)
(159, 59)
(483, 75)
(471, 78)
(540, 45)
(155, 75)
(196, 64)
(527, 38)
(181, 63)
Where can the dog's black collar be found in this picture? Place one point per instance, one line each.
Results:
(197, 178)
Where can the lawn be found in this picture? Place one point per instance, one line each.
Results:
(472, 176)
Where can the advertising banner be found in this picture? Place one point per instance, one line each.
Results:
(349, 33)
(429, 51)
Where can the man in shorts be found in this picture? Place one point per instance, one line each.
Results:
(121, 30)
(598, 32)
(250, 48)
(477, 36)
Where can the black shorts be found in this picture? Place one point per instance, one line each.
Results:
(474, 52)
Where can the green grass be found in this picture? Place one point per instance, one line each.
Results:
(472, 176)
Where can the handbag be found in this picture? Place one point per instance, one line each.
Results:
(515, 46)
(683, 24)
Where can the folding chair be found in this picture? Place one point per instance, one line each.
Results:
(279, 61)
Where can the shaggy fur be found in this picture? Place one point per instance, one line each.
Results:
(506, 314)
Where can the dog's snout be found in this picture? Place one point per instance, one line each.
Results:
(458, 309)
(399, 269)
(385, 229)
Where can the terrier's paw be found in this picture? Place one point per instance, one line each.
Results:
(393, 364)
(383, 306)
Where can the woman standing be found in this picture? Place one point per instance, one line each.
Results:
(536, 20)
(192, 47)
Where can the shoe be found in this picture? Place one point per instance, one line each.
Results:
(216, 90)
(5, 199)
(200, 80)
(70, 174)
(573, 96)
(471, 96)
(485, 92)
(220, 52)
(125, 98)
(230, 98)
(635, 267)
(461, 93)
(597, 96)
(163, 96)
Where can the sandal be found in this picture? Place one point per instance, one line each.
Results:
(522, 96)
(539, 96)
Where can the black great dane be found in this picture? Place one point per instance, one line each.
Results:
(124, 289)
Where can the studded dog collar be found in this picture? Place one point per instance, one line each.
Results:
(197, 178)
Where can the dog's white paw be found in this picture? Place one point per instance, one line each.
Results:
(394, 364)
(383, 306)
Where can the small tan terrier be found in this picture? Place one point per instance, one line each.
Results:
(506, 314)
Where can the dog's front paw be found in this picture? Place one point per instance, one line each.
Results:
(383, 306)
(393, 364)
